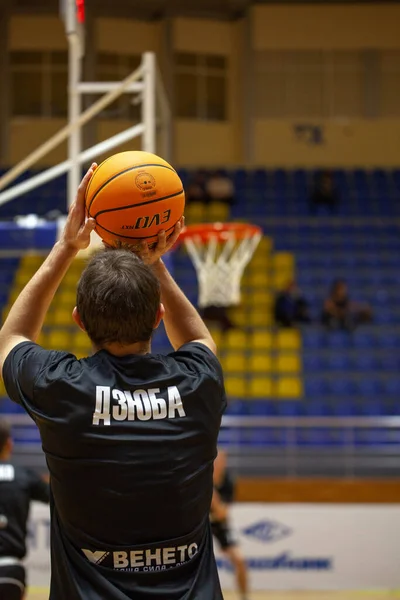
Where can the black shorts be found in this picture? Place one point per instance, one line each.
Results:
(223, 534)
(12, 582)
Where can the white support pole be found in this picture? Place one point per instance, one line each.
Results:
(101, 87)
(74, 112)
(166, 116)
(62, 135)
(89, 154)
(149, 102)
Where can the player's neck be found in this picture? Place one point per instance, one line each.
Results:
(5, 455)
(126, 350)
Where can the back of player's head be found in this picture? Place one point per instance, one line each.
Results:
(5, 434)
(118, 298)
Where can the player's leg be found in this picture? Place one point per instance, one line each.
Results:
(223, 534)
(12, 582)
(239, 564)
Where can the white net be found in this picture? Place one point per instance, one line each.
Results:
(220, 259)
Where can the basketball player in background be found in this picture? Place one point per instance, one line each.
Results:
(224, 493)
(18, 487)
(130, 437)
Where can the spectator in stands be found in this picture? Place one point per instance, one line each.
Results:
(218, 315)
(220, 188)
(291, 307)
(196, 189)
(324, 193)
(340, 312)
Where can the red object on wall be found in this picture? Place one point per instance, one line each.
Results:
(80, 10)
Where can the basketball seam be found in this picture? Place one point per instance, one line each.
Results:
(91, 179)
(108, 210)
(128, 237)
(123, 173)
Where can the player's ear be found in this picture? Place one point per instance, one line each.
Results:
(160, 315)
(77, 319)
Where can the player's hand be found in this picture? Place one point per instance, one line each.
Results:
(152, 255)
(220, 511)
(77, 230)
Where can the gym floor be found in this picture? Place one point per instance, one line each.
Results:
(41, 594)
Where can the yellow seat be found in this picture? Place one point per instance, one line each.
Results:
(288, 340)
(281, 279)
(265, 246)
(289, 387)
(260, 260)
(216, 335)
(65, 297)
(260, 362)
(22, 277)
(240, 318)
(259, 279)
(42, 340)
(194, 212)
(31, 261)
(287, 363)
(236, 386)
(62, 317)
(283, 261)
(217, 212)
(260, 318)
(71, 279)
(235, 339)
(234, 362)
(59, 339)
(260, 387)
(261, 299)
(80, 343)
(261, 340)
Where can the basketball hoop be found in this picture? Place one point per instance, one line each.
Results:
(220, 253)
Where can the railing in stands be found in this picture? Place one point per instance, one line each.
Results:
(293, 458)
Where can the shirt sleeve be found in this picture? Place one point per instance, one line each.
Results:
(25, 365)
(39, 489)
(197, 358)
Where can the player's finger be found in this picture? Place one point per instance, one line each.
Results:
(176, 233)
(88, 227)
(162, 241)
(85, 181)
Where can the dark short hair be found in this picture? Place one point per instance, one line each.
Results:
(118, 298)
(5, 433)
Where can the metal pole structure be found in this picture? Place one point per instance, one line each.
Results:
(61, 135)
(149, 102)
(86, 155)
(74, 111)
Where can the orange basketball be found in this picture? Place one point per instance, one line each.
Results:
(132, 195)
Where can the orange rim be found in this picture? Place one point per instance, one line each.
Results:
(221, 231)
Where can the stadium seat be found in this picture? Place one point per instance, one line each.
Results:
(236, 386)
(260, 362)
(287, 340)
(59, 339)
(287, 363)
(260, 387)
(288, 387)
(234, 362)
(235, 339)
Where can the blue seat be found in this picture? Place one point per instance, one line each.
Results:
(342, 387)
(369, 387)
(316, 387)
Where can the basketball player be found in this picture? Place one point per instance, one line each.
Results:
(18, 486)
(223, 496)
(130, 437)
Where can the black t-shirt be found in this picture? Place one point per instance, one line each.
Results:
(18, 486)
(130, 444)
